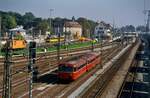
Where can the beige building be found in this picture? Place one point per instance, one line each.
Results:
(74, 28)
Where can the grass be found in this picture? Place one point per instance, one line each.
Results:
(79, 45)
(48, 49)
(20, 52)
(70, 46)
(16, 52)
(54, 48)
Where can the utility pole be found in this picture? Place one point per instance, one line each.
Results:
(7, 69)
(100, 41)
(30, 77)
(50, 19)
(101, 52)
(31, 68)
(0, 28)
(148, 22)
(114, 31)
(58, 47)
(40, 37)
(122, 39)
(0, 32)
(92, 42)
(66, 39)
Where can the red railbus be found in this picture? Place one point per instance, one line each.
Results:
(77, 66)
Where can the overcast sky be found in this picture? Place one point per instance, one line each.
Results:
(123, 12)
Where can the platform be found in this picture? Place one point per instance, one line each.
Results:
(112, 89)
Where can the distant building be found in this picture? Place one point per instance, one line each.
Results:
(99, 30)
(102, 30)
(72, 27)
(58, 27)
(18, 29)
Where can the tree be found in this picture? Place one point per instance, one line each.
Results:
(28, 20)
(35, 22)
(8, 22)
(88, 26)
(43, 26)
(141, 28)
(85, 26)
(18, 17)
(128, 28)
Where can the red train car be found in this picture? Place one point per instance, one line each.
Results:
(73, 68)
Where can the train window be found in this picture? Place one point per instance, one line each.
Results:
(65, 68)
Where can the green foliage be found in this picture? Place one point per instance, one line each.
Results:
(19, 37)
(87, 26)
(128, 28)
(8, 22)
(28, 20)
(43, 26)
(18, 17)
(141, 28)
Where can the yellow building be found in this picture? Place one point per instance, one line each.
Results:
(74, 28)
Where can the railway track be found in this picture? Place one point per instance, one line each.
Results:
(128, 77)
(104, 80)
(16, 83)
(98, 87)
(53, 79)
(62, 51)
(133, 85)
(22, 62)
(44, 64)
(54, 88)
(106, 59)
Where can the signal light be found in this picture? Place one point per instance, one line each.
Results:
(32, 55)
(32, 51)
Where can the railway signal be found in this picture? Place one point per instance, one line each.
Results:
(32, 51)
(32, 70)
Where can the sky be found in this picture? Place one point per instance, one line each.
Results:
(119, 12)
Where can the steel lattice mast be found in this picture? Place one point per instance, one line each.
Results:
(0, 28)
(7, 70)
(148, 22)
